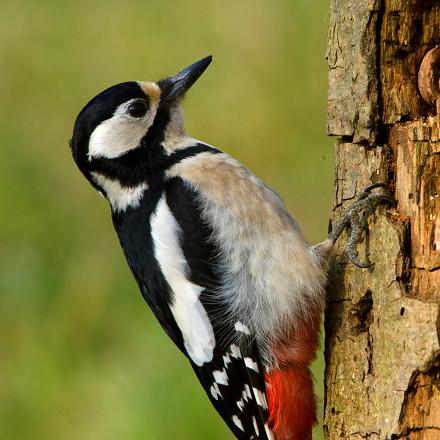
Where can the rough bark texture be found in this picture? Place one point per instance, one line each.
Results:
(382, 324)
(353, 95)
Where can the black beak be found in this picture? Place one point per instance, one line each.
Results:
(175, 87)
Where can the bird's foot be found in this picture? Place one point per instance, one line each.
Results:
(367, 200)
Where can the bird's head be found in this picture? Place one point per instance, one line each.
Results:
(131, 124)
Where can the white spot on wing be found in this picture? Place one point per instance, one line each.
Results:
(220, 377)
(260, 398)
(269, 433)
(237, 422)
(240, 405)
(247, 392)
(240, 327)
(235, 351)
(251, 364)
(254, 421)
(226, 360)
(188, 311)
(215, 391)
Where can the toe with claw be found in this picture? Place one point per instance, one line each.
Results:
(351, 218)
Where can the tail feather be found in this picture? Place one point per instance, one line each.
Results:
(292, 403)
(289, 391)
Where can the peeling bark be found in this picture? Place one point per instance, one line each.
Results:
(382, 325)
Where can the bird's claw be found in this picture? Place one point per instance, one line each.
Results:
(380, 197)
(355, 237)
(366, 200)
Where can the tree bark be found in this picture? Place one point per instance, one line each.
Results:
(382, 346)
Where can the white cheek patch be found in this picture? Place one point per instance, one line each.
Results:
(188, 311)
(120, 133)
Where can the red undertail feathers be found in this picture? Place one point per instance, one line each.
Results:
(290, 396)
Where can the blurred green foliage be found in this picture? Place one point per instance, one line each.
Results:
(81, 355)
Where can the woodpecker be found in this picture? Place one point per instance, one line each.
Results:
(218, 258)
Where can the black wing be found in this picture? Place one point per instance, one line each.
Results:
(234, 379)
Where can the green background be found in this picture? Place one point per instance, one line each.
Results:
(81, 356)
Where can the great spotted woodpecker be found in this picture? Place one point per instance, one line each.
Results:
(218, 258)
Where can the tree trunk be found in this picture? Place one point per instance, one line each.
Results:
(382, 325)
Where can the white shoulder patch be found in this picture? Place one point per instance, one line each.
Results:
(188, 311)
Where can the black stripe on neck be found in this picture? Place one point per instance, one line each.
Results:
(144, 164)
(184, 153)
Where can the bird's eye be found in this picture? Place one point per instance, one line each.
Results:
(137, 109)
